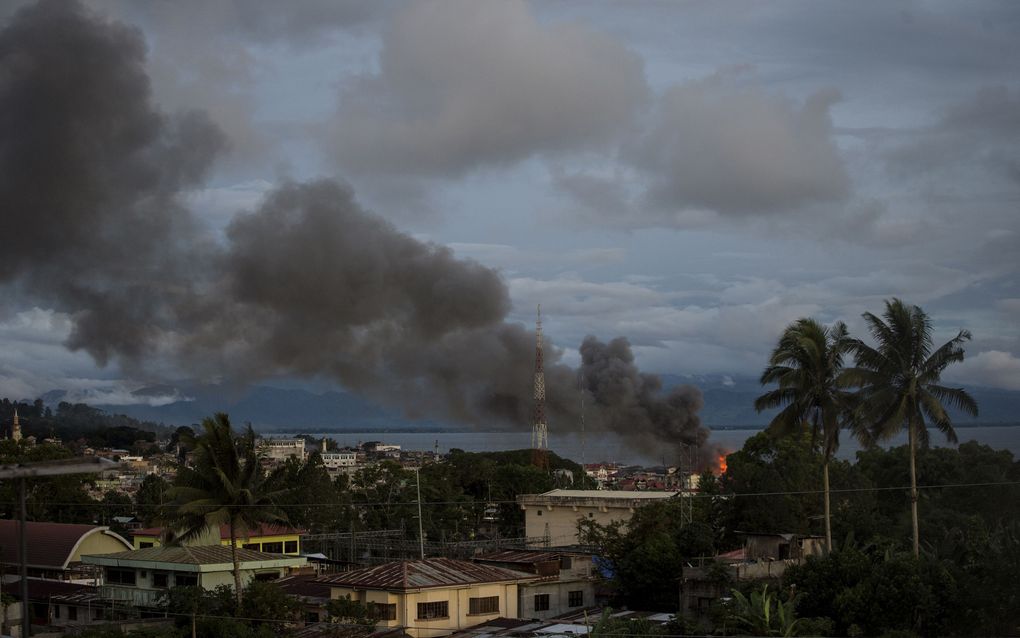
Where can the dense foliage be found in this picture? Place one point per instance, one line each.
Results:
(963, 583)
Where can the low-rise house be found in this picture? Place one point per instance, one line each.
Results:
(141, 576)
(268, 538)
(55, 549)
(432, 597)
(565, 583)
(764, 557)
(44, 607)
(551, 519)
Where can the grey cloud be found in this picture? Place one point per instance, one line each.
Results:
(465, 84)
(301, 23)
(89, 171)
(981, 132)
(739, 150)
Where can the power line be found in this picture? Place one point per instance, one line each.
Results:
(482, 502)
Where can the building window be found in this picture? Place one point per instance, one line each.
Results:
(272, 548)
(160, 580)
(541, 602)
(120, 576)
(575, 598)
(565, 562)
(487, 605)
(72, 613)
(56, 611)
(538, 512)
(430, 611)
(290, 547)
(144, 545)
(252, 546)
(185, 580)
(267, 576)
(381, 611)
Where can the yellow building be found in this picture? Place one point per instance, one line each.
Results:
(270, 539)
(432, 597)
(55, 549)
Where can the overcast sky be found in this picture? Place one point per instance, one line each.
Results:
(690, 175)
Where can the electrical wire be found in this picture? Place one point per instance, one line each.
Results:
(849, 490)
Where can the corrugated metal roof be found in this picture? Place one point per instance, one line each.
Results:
(419, 574)
(193, 555)
(523, 556)
(305, 585)
(607, 494)
(50, 545)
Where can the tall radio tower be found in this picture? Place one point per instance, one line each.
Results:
(539, 431)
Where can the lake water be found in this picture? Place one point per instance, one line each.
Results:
(598, 447)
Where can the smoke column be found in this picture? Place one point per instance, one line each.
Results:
(309, 283)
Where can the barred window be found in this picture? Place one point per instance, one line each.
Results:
(382, 611)
(427, 611)
(290, 547)
(487, 605)
(120, 576)
(272, 548)
(575, 598)
(565, 562)
(541, 602)
(184, 579)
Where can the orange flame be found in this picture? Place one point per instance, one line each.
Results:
(721, 464)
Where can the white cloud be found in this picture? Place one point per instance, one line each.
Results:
(993, 368)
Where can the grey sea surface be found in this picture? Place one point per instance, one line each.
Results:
(598, 447)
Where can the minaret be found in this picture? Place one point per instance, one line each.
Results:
(539, 431)
(16, 427)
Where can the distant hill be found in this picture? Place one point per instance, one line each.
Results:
(729, 400)
(267, 407)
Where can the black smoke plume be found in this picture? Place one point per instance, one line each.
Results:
(309, 283)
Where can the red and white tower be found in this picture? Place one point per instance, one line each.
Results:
(540, 430)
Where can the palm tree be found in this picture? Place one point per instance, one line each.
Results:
(807, 364)
(224, 486)
(899, 380)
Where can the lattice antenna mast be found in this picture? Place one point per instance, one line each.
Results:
(540, 430)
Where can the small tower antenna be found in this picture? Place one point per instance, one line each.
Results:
(539, 429)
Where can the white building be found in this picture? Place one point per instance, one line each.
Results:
(553, 516)
(282, 449)
(334, 461)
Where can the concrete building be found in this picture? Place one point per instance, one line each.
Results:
(141, 576)
(279, 450)
(432, 597)
(334, 461)
(55, 549)
(551, 519)
(565, 583)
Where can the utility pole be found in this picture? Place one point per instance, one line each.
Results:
(421, 533)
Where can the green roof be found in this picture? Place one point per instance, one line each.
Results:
(197, 556)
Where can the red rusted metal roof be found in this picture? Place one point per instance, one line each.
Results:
(523, 556)
(50, 545)
(421, 574)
